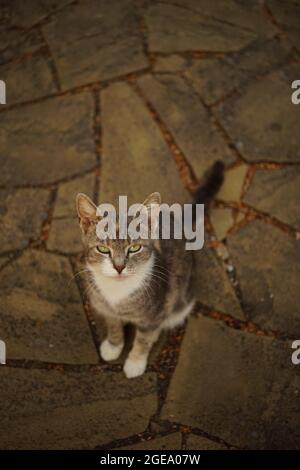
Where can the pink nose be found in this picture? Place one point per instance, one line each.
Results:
(119, 267)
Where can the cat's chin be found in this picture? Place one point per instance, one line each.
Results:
(119, 277)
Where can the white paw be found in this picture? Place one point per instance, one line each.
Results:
(134, 367)
(110, 352)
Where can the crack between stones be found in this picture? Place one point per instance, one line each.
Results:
(254, 214)
(51, 184)
(99, 84)
(185, 170)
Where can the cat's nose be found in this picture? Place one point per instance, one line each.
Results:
(119, 267)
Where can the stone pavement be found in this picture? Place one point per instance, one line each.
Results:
(129, 98)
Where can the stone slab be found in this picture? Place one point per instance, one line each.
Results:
(91, 43)
(169, 442)
(27, 79)
(214, 79)
(136, 159)
(267, 261)
(277, 193)
(240, 388)
(195, 442)
(41, 314)
(262, 121)
(48, 409)
(188, 120)
(47, 141)
(204, 26)
(23, 212)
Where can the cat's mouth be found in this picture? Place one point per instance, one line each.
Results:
(118, 277)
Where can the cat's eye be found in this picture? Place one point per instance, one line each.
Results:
(134, 248)
(104, 250)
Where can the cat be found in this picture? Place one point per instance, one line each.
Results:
(146, 282)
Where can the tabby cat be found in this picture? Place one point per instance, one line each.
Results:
(146, 282)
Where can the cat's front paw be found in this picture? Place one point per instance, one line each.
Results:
(109, 351)
(134, 367)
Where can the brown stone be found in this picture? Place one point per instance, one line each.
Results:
(187, 119)
(90, 43)
(277, 192)
(262, 120)
(41, 314)
(204, 26)
(47, 409)
(195, 442)
(65, 236)
(268, 268)
(47, 141)
(65, 205)
(135, 160)
(237, 386)
(23, 212)
(27, 79)
(169, 442)
(214, 79)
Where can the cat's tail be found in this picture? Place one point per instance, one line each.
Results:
(211, 184)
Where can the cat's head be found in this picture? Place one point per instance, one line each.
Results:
(115, 258)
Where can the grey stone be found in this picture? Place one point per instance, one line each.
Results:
(287, 15)
(214, 79)
(16, 43)
(262, 119)
(41, 314)
(169, 442)
(195, 442)
(59, 130)
(213, 286)
(268, 269)
(3, 261)
(222, 221)
(23, 212)
(240, 387)
(25, 13)
(244, 15)
(65, 236)
(231, 189)
(90, 42)
(277, 193)
(171, 63)
(48, 409)
(136, 160)
(203, 25)
(188, 121)
(65, 205)
(27, 79)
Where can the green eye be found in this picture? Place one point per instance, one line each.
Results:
(103, 249)
(134, 248)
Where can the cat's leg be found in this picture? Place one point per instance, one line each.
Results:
(112, 346)
(136, 361)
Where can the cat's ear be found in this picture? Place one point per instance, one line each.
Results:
(152, 204)
(86, 210)
(152, 199)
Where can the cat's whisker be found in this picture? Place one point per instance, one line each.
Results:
(77, 274)
(162, 267)
(166, 276)
(161, 278)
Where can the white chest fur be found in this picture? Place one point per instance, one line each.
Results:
(115, 289)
